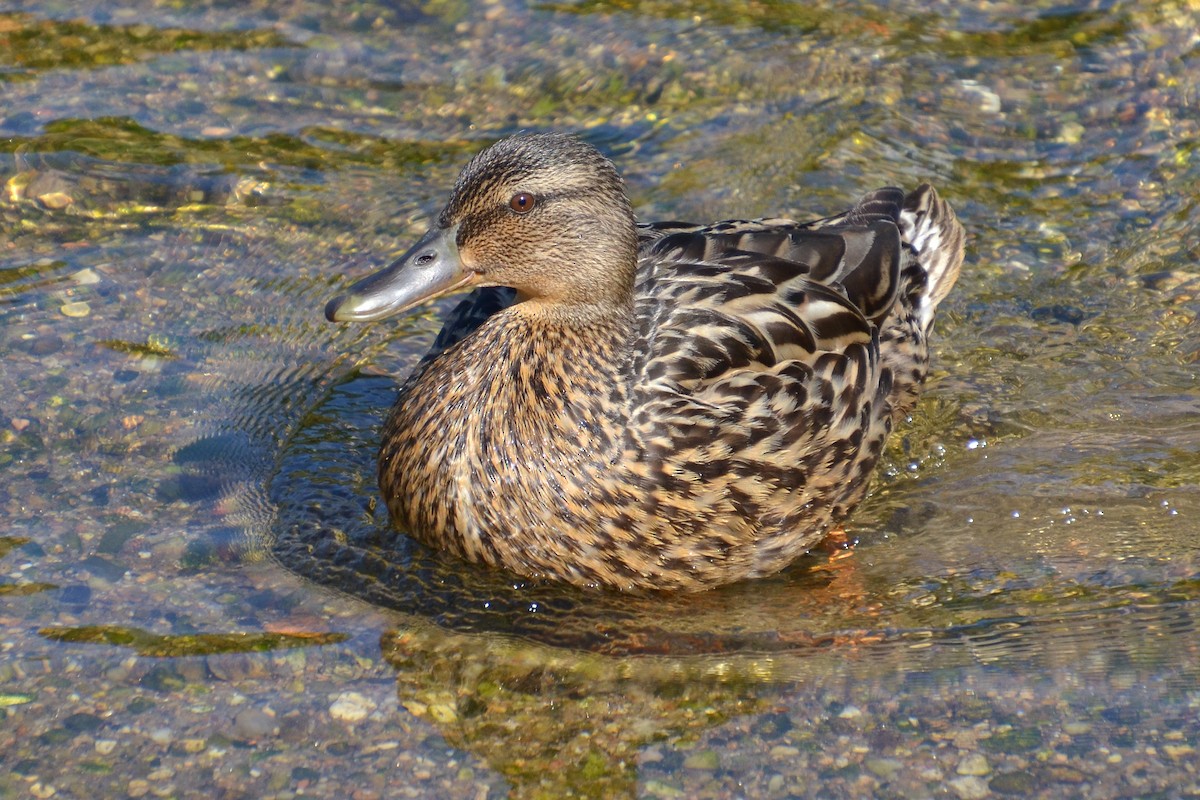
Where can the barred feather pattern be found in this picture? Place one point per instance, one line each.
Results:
(713, 429)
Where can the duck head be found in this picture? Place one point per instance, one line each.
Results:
(545, 214)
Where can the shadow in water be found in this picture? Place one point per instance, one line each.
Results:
(558, 688)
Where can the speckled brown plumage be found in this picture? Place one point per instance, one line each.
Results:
(664, 406)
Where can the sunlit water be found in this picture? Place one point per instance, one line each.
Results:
(199, 597)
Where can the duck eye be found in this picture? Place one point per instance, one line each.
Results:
(522, 202)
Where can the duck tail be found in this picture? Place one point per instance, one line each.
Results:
(933, 240)
(928, 225)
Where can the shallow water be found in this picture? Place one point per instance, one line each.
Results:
(194, 595)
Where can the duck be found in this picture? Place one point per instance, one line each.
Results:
(662, 406)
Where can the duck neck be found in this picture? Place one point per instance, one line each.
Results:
(594, 318)
(578, 340)
(555, 379)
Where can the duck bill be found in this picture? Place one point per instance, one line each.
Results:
(431, 268)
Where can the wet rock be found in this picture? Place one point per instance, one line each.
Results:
(76, 309)
(771, 726)
(1122, 715)
(986, 99)
(969, 787)
(117, 534)
(1061, 773)
(1015, 784)
(163, 679)
(162, 737)
(295, 728)
(655, 788)
(189, 488)
(77, 594)
(883, 739)
(193, 745)
(99, 496)
(237, 666)
(55, 201)
(351, 707)
(103, 568)
(140, 705)
(973, 764)
(707, 760)
(83, 723)
(1071, 315)
(883, 768)
(55, 737)
(303, 773)
(444, 713)
(252, 724)
(1071, 133)
(1168, 280)
(45, 345)
(1015, 740)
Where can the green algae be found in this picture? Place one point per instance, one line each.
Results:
(199, 644)
(153, 347)
(29, 45)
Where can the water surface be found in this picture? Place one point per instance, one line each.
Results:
(199, 598)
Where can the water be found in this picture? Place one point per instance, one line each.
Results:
(194, 598)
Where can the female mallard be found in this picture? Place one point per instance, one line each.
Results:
(664, 405)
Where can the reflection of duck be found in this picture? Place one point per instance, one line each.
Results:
(665, 406)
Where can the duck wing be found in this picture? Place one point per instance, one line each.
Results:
(747, 296)
(758, 382)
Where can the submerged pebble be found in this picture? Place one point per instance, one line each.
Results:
(973, 764)
(1014, 784)
(351, 707)
(702, 760)
(46, 344)
(969, 787)
(253, 724)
